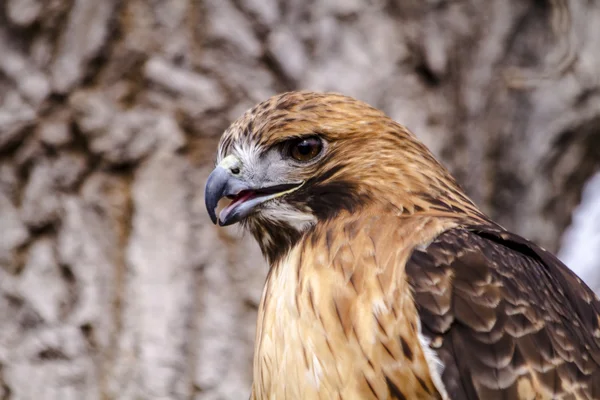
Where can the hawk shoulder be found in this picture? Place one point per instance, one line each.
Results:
(507, 319)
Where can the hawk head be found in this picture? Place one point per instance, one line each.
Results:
(303, 157)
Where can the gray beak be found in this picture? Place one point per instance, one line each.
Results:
(221, 183)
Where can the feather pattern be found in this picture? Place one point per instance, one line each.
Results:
(508, 320)
(341, 323)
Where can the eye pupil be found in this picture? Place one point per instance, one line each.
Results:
(306, 149)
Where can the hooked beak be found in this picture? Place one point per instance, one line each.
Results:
(245, 198)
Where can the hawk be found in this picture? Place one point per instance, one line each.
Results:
(385, 280)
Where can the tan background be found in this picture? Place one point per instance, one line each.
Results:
(113, 283)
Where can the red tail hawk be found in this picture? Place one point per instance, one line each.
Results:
(386, 281)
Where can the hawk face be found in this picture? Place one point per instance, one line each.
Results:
(280, 190)
(263, 182)
(303, 157)
(290, 162)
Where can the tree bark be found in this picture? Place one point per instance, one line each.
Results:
(113, 282)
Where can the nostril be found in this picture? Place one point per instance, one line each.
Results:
(235, 170)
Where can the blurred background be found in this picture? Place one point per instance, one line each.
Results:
(113, 282)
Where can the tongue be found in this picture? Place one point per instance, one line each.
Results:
(239, 199)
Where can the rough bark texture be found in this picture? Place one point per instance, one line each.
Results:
(113, 283)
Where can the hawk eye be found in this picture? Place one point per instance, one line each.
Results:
(305, 149)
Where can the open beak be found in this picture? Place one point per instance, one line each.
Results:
(222, 183)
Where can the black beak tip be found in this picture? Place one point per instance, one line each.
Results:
(213, 216)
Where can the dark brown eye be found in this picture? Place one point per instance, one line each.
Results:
(305, 149)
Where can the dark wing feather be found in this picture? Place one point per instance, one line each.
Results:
(507, 319)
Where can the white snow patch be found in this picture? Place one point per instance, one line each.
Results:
(580, 248)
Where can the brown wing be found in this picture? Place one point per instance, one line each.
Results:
(507, 319)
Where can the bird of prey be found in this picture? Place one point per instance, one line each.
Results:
(385, 280)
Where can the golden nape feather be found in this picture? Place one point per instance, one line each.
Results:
(386, 281)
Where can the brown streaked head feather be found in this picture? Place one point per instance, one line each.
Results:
(369, 159)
